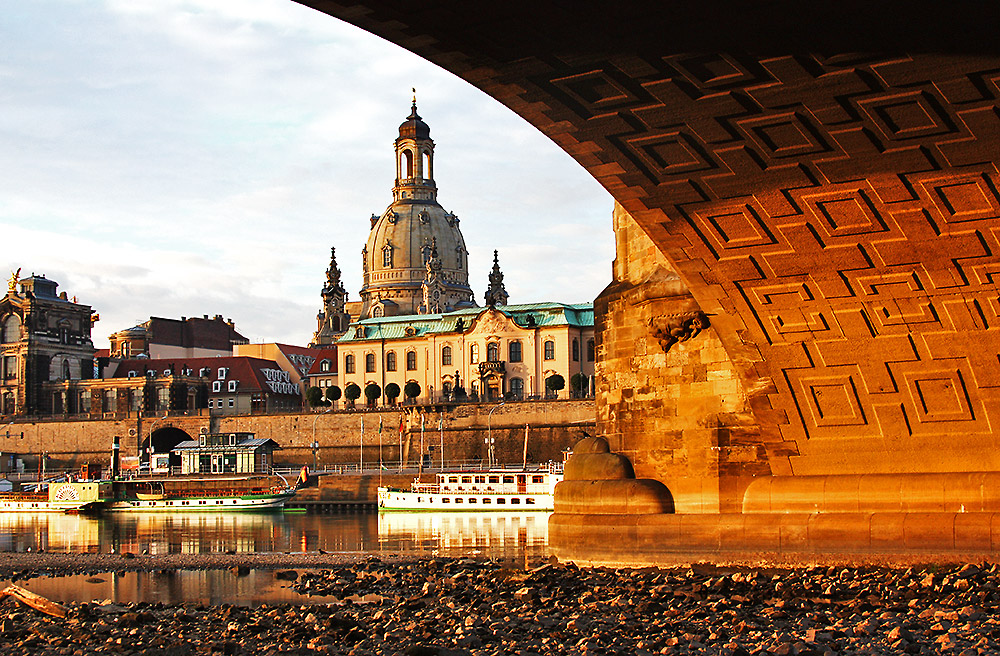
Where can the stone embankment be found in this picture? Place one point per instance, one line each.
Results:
(445, 606)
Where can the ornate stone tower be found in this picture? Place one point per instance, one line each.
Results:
(332, 320)
(403, 238)
(496, 294)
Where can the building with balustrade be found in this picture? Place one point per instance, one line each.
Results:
(492, 353)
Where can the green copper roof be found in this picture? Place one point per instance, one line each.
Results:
(417, 325)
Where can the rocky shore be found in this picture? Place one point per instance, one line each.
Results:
(450, 606)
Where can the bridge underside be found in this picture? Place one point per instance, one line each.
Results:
(820, 188)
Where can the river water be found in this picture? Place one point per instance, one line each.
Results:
(517, 537)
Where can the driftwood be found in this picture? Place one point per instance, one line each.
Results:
(38, 602)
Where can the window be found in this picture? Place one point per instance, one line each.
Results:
(211, 403)
(474, 353)
(576, 350)
(516, 388)
(446, 356)
(223, 372)
(232, 385)
(493, 352)
(216, 386)
(369, 362)
(411, 360)
(324, 366)
(537, 478)
(11, 329)
(514, 351)
(387, 256)
(590, 350)
(131, 374)
(508, 479)
(168, 372)
(232, 402)
(466, 479)
(349, 364)
(494, 479)
(390, 361)
(515, 501)
(550, 349)
(205, 372)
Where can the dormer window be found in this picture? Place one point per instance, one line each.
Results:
(324, 366)
(150, 374)
(232, 385)
(223, 372)
(216, 385)
(168, 372)
(205, 372)
(131, 374)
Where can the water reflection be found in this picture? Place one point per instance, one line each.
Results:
(207, 587)
(486, 534)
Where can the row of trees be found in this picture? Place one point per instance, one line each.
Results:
(315, 396)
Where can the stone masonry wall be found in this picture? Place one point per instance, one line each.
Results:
(552, 427)
(680, 415)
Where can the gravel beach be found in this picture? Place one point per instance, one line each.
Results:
(402, 605)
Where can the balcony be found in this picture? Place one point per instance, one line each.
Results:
(498, 367)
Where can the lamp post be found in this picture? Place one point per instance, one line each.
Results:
(315, 444)
(489, 433)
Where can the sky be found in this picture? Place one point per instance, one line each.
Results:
(187, 157)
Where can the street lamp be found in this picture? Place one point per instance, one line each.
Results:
(489, 433)
(315, 444)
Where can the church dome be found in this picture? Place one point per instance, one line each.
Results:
(414, 240)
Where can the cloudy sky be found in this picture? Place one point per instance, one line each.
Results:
(185, 157)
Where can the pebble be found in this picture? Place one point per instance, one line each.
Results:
(449, 607)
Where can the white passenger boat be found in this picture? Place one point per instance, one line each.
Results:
(493, 490)
(67, 497)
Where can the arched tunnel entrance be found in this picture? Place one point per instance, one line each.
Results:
(807, 272)
(162, 441)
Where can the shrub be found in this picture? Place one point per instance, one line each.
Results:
(411, 390)
(352, 392)
(372, 392)
(314, 396)
(333, 393)
(392, 392)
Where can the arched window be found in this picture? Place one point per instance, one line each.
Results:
(590, 350)
(387, 256)
(516, 388)
(427, 165)
(446, 389)
(474, 353)
(576, 350)
(65, 370)
(411, 360)
(446, 356)
(493, 352)
(348, 364)
(514, 351)
(369, 362)
(549, 350)
(377, 311)
(458, 257)
(407, 164)
(11, 329)
(324, 366)
(390, 361)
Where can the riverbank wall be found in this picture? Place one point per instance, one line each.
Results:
(364, 438)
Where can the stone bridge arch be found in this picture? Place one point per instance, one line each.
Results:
(822, 183)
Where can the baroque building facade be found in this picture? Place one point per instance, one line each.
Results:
(489, 353)
(44, 336)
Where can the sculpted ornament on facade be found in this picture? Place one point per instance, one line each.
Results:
(668, 330)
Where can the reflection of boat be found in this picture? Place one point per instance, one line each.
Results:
(59, 497)
(493, 490)
(200, 493)
(487, 532)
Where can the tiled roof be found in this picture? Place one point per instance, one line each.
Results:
(248, 371)
(543, 315)
(329, 353)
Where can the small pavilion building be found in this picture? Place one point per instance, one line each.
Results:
(226, 453)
